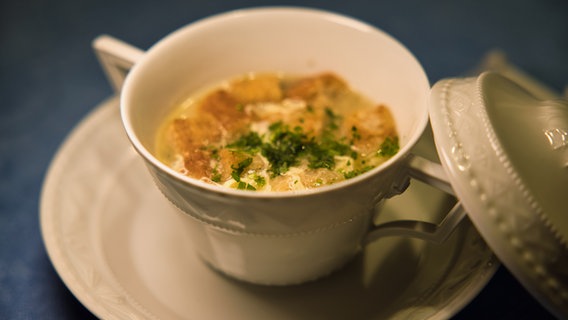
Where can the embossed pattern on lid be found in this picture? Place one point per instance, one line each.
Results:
(534, 135)
(507, 157)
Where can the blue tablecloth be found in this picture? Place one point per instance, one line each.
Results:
(50, 79)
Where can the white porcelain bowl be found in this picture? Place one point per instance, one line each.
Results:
(277, 237)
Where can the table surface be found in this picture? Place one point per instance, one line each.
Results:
(50, 79)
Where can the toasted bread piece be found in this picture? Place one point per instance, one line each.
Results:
(260, 88)
(368, 128)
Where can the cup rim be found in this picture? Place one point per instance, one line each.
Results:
(403, 152)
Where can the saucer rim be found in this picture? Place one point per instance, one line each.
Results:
(72, 280)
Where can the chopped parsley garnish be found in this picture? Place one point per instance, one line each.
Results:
(354, 173)
(331, 120)
(355, 133)
(215, 153)
(320, 157)
(216, 175)
(260, 181)
(250, 143)
(285, 147)
(245, 186)
(238, 171)
(389, 147)
(239, 168)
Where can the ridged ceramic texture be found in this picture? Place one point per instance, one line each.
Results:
(495, 193)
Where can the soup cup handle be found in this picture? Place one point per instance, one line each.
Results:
(433, 174)
(116, 57)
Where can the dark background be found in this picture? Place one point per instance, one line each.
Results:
(50, 79)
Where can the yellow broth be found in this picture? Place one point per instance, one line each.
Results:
(270, 132)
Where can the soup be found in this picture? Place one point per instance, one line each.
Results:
(273, 132)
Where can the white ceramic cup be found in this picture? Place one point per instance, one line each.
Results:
(277, 238)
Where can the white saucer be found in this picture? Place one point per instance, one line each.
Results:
(116, 245)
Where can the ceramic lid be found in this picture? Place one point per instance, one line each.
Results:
(506, 153)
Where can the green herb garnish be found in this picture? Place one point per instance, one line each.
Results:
(239, 168)
(260, 181)
(354, 173)
(355, 134)
(245, 186)
(250, 143)
(215, 153)
(284, 147)
(331, 120)
(389, 147)
(322, 154)
(216, 175)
